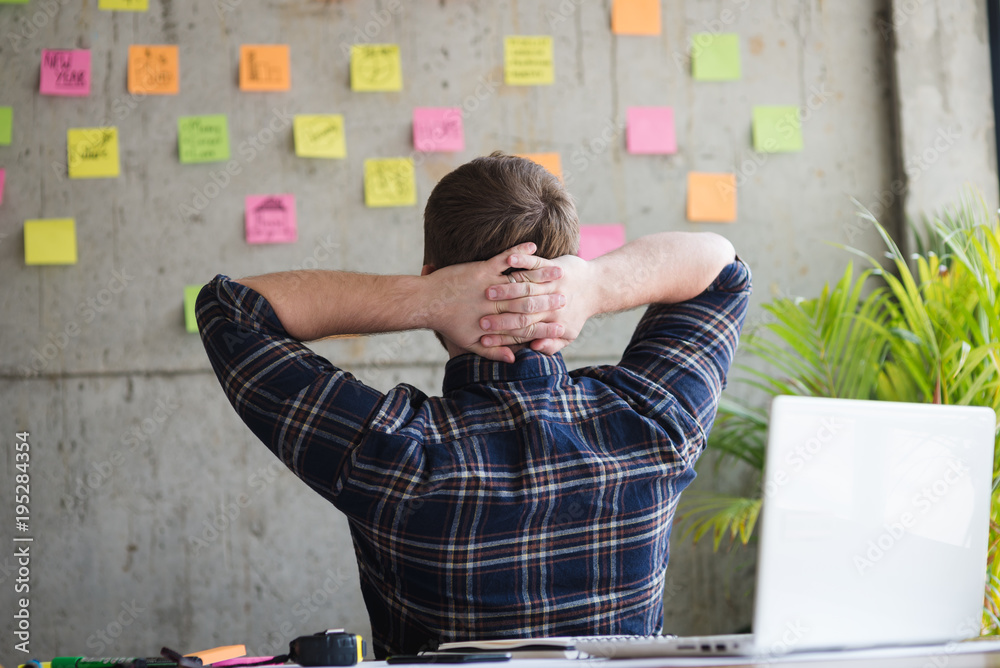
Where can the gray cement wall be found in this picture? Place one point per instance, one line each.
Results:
(157, 517)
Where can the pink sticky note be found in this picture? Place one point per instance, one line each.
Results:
(651, 130)
(65, 72)
(597, 240)
(270, 219)
(3, 177)
(438, 129)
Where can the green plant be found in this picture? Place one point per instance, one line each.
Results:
(927, 334)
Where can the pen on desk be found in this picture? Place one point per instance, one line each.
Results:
(112, 662)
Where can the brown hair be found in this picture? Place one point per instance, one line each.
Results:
(493, 203)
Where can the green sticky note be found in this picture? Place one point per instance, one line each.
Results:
(777, 130)
(124, 5)
(190, 297)
(390, 182)
(715, 57)
(14, 2)
(319, 136)
(92, 153)
(50, 241)
(6, 125)
(203, 138)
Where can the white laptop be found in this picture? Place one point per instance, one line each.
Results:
(873, 533)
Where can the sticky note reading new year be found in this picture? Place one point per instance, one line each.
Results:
(6, 125)
(190, 314)
(50, 241)
(636, 17)
(92, 153)
(270, 219)
(777, 129)
(265, 67)
(390, 182)
(319, 136)
(650, 130)
(715, 56)
(438, 129)
(596, 240)
(711, 198)
(124, 5)
(203, 138)
(528, 60)
(550, 161)
(65, 72)
(153, 70)
(376, 67)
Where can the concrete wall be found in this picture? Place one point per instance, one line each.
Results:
(157, 518)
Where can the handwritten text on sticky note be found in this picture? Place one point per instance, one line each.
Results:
(50, 241)
(596, 240)
(154, 70)
(711, 197)
(376, 67)
(319, 136)
(651, 130)
(203, 138)
(92, 153)
(438, 129)
(528, 60)
(270, 219)
(65, 72)
(390, 182)
(265, 67)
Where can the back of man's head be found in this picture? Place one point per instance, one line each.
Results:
(494, 203)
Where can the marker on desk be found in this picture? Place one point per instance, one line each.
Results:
(112, 662)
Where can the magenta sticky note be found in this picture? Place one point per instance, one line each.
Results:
(597, 240)
(65, 72)
(3, 177)
(270, 219)
(438, 129)
(651, 130)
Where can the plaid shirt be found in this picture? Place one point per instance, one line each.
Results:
(525, 501)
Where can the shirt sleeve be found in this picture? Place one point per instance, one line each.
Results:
(311, 414)
(680, 355)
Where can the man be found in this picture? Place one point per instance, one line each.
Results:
(527, 500)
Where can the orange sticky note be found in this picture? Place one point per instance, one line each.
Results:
(154, 70)
(636, 17)
(711, 198)
(265, 67)
(549, 161)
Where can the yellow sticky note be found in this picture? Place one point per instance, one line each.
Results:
(50, 241)
(154, 70)
(711, 198)
(390, 182)
(124, 5)
(636, 17)
(319, 136)
(190, 317)
(376, 67)
(265, 67)
(528, 60)
(550, 161)
(92, 153)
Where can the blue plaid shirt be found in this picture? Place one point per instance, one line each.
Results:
(528, 500)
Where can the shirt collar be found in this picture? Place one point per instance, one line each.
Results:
(472, 369)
